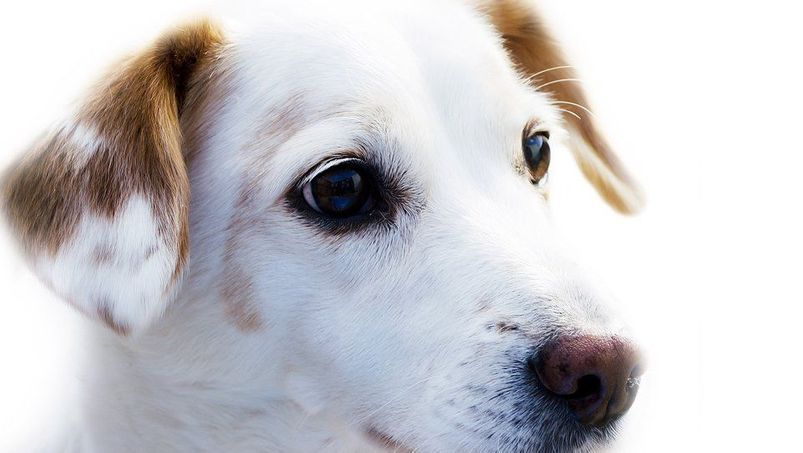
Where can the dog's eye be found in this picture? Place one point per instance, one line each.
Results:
(341, 191)
(536, 155)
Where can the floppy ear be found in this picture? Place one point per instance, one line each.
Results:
(538, 57)
(101, 203)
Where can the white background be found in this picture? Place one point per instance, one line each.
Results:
(702, 99)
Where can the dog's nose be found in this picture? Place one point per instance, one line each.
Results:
(598, 377)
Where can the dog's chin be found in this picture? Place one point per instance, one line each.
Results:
(561, 437)
(577, 438)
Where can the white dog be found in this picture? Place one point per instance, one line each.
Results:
(328, 231)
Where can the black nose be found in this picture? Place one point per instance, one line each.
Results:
(598, 377)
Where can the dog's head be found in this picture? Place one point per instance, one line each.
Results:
(362, 192)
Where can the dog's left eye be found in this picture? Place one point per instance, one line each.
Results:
(343, 190)
(536, 155)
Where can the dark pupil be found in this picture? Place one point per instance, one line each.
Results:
(339, 191)
(533, 147)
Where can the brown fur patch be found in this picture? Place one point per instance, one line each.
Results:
(41, 195)
(239, 301)
(282, 121)
(209, 88)
(102, 255)
(533, 49)
(134, 114)
(505, 326)
(237, 290)
(135, 147)
(105, 315)
(285, 120)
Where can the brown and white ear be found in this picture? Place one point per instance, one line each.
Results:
(101, 203)
(537, 55)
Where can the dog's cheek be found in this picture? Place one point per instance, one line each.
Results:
(305, 392)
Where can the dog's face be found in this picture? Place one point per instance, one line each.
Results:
(369, 202)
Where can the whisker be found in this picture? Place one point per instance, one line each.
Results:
(575, 105)
(554, 68)
(571, 113)
(557, 81)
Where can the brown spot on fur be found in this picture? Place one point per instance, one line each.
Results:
(40, 196)
(239, 302)
(102, 254)
(209, 88)
(285, 120)
(505, 326)
(533, 50)
(282, 120)
(385, 441)
(237, 291)
(105, 315)
(150, 252)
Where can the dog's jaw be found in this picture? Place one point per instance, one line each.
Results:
(160, 386)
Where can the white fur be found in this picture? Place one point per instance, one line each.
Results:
(131, 283)
(86, 140)
(384, 331)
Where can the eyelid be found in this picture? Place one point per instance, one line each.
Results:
(535, 127)
(325, 165)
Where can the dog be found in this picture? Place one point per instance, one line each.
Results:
(326, 228)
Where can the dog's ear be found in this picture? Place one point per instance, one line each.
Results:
(537, 55)
(100, 204)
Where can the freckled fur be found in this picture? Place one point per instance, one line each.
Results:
(237, 289)
(123, 141)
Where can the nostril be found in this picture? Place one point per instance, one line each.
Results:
(533, 364)
(588, 387)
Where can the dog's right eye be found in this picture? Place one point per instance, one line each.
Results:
(343, 190)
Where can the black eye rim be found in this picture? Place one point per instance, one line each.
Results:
(389, 197)
(539, 170)
(366, 201)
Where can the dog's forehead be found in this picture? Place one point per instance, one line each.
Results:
(405, 60)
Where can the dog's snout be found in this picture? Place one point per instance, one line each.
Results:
(598, 377)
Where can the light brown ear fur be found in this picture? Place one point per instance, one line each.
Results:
(124, 140)
(534, 51)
